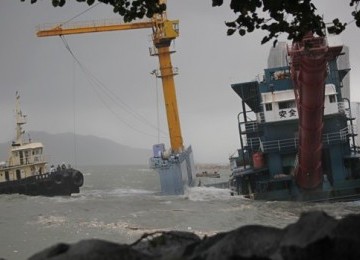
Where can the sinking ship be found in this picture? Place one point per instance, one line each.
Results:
(297, 138)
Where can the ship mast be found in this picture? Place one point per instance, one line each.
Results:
(20, 120)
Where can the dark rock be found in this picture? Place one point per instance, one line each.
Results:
(91, 249)
(309, 238)
(315, 235)
(346, 238)
(166, 245)
(248, 242)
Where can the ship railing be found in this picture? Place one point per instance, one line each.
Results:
(256, 144)
(280, 145)
(251, 126)
(336, 137)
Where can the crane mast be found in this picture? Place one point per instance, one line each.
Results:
(164, 31)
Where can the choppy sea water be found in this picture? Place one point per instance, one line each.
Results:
(120, 203)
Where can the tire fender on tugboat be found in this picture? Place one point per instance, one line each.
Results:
(58, 178)
(77, 178)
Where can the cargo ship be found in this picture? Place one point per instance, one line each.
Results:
(297, 138)
(26, 171)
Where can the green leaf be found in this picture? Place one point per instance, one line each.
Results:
(242, 32)
(230, 24)
(217, 2)
(230, 31)
(55, 3)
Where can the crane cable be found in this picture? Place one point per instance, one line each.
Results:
(76, 16)
(74, 112)
(92, 79)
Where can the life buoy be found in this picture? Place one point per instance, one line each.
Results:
(58, 178)
(78, 179)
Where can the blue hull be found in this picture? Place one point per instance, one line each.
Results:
(176, 172)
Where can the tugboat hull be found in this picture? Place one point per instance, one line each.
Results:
(58, 183)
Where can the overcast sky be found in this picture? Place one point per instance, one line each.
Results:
(121, 104)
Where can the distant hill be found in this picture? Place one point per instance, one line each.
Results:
(90, 150)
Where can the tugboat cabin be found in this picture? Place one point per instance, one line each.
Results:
(24, 161)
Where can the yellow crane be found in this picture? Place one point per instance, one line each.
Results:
(164, 31)
(176, 169)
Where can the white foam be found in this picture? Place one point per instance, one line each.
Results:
(128, 192)
(51, 221)
(207, 194)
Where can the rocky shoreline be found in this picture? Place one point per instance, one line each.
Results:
(315, 235)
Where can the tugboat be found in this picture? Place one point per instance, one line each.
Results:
(296, 130)
(25, 171)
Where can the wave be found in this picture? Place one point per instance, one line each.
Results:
(207, 194)
(50, 221)
(135, 230)
(128, 192)
(98, 193)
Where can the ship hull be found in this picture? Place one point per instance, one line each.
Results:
(62, 182)
(176, 172)
(254, 186)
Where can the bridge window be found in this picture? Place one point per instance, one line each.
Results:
(18, 175)
(268, 106)
(287, 104)
(332, 98)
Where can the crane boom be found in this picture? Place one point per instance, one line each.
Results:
(89, 27)
(164, 31)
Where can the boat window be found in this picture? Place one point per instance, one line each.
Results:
(18, 175)
(332, 98)
(287, 104)
(268, 106)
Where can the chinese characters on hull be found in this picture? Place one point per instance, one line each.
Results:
(286, 114)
